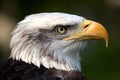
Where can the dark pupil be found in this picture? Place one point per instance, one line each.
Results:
(61, 29)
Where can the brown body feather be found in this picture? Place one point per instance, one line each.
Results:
(19, 70)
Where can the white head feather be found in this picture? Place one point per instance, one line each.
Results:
(58, 54)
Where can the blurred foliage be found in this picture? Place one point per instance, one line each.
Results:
(98, 62)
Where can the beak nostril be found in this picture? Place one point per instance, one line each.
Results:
(86, 26)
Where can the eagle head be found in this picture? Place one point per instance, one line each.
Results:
(54, 40)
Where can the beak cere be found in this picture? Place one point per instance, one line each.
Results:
(90, 30)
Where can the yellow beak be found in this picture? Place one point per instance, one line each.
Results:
(90, 30)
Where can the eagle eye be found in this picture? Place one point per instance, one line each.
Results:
(61, 29)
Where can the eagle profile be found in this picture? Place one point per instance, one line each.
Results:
(46, 46)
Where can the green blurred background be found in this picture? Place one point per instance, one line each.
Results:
(98, 62)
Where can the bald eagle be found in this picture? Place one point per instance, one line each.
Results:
(46, 46)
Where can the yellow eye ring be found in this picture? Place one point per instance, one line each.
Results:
(61, 30)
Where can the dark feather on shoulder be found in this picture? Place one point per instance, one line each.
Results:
(19, 70)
